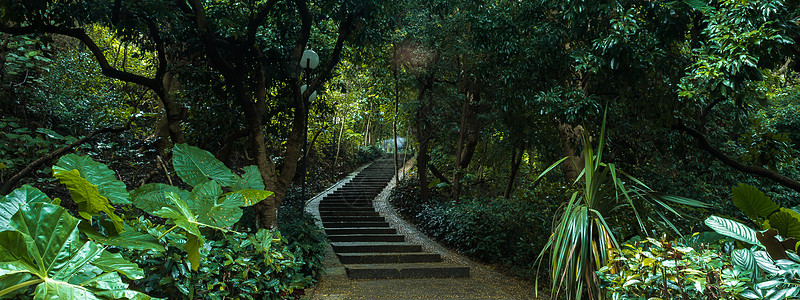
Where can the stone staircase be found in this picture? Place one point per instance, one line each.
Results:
(365, 243)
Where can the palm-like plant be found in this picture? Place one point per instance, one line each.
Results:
(582, 239)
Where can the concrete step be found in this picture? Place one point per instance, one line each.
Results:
(350, 197)
(406, 270)
(324, 213)
(326, 219)
(367, 238)
(347, 206)
(388, 258)
(360, 230)
(380, 247)
(357, 202)
(353, 224)
(340, 207)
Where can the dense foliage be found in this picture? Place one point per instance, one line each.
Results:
(701, 95)
(44, 247)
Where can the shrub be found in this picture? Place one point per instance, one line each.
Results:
(664, 269)
(305, 239)
(368, 154)
(494, 230)
(264, 265)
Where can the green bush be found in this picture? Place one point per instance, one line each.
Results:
(494, 230)
(305, 239)
(661, 269)
(265, 265)
(368, 154)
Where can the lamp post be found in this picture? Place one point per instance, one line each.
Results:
(309, 61)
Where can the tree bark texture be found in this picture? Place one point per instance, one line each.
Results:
(570, 141)
(516, 160)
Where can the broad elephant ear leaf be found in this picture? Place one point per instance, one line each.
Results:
(732, 229)
(251, 197)
(130, 239)
(97, 174)
(753, 202)
(250, 180)
(151, 197)
(183, 217)
(222, 212)
(25, 195)
(787, 222)
(195, 166)
(87, 196)
(52, 256)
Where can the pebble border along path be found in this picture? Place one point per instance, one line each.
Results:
(482, 283)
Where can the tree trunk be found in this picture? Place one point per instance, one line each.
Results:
(570, 137)
(339, 143)
(516, 160)
(394, 122)
(468, 137)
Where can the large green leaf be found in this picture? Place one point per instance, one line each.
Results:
(97, 174)
(205, 201)
(732, 229)
(25, 195)
(196, 166)
(114, 262)
(787, 222)
(745, 259)
(87, 196)
(44, 245)
(151, 197)
(183, 217)
(753, 202)
(130, 239)
(251, 179)
(251, 197)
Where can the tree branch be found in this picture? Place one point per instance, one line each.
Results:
(208, 39)
(703, 142)
(44, 159)
(99, 56)
(257, 20)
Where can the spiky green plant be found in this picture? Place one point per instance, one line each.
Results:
(582, 239)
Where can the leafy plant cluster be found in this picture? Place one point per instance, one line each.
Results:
(20, 145)
(50, 254)
(733, 262)
(495, 230)
(368, 154)
(690, 268)
(263, 265)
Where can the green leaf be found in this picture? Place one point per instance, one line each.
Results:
(151, 197)
(97, 174)
(113, 262)
(787, 222)
(251, 197)
(57, 290)
(87, 196)
(753, 202)
(25, 195)
(50, 254)
(182, 216)
(251, 179)
(130, 239)
(732, 229)
(196, 166)
(745, 259)
(205, 201)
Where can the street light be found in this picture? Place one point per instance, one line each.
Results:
(309, 61)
